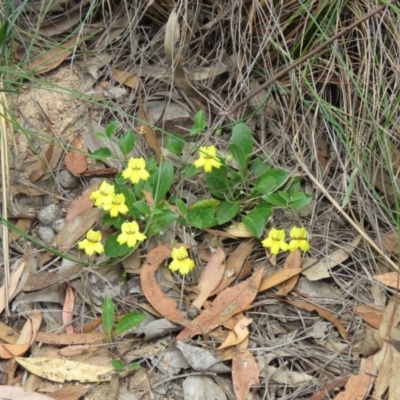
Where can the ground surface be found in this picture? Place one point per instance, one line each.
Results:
(332, 123)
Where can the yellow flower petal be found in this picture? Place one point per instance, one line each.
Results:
(207, 159)
(136, 170)
(130, 234)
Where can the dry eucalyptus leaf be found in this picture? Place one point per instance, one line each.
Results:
(61, 370)
(201, 360)
(202, 387)
(321, 269)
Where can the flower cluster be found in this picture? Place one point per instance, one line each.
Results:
(181, 261)
(106, 199)
(276, 240)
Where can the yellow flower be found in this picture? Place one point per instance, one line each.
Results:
(136, 170)
(116, 205)
(92, 243)
(299, 239)
(103, 194)
(207, 158)
(181, 261)
(130, 234)
(275, 241)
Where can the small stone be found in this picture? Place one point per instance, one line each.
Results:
(58, 225)
(47, 215)
(67, 180)
(46, 234)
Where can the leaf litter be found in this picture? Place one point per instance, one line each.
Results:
(243, 286)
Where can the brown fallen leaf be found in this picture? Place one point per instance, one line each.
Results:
(76, 162)
(126, 78)
(245, 373)
(61, 370)
(391, 279)
(358, 386)
(162, 303)
(235, 262)
(14, 279)
(8, 334)
(320, 270)
(391, 242)
(210, 278)
(68, 310)
(25, 339)
(76, 350)
(322, 393)
(67, 339)
(51, 158)
(53, 58)
(45, 279)
(148, 133)
(19, 393)
(81, 203)
(278, 277)
(293, 261)
(75, 392)
(23, 225)
(371, 315)
(240, 332)
(228, 303)
(321, 312)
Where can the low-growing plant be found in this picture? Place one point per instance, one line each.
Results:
(128, 321)
(243, 188)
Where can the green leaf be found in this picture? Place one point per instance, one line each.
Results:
(181, 207)
(162, 181)
(259, 167)
(113, 249)
(264, 209)
(161, 219)
(207, 203)
(129, 321)
(242, 137)
(127, 142)
(116, 222)
(139, 209)
(280, 199)
(271, 180)
(107, 315)
(240, 156)
(217, 182)
(255, 223)
(133, 366)
(101, 154)
(227, 211)
(190, 171)
(202, 218)
(118, 365)
(175, 143)
(200, 123)
(111, 128)
(299, 200)
(294, 186)
(101, 135)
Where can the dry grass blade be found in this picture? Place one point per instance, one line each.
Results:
(5, 168)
